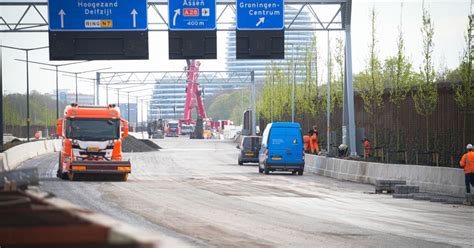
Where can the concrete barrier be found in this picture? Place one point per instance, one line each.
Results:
(429, 178)
(14, 156)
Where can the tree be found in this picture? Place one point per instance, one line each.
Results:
(397, 74)
(464, 91)
(338, 85)
(370, 82)
(426, 95)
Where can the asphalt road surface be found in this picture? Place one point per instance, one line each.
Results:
(193, 193)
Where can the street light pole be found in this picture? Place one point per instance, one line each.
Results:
(27, 84)
(254, 109)
(76, 88)
(329, 97)
(1, 101)
(293, 95)
(57, 93)
(27, 98)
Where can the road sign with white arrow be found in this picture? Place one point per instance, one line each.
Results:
(260, 15)
(106, 15)
(192, 15)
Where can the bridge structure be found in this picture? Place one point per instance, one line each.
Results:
(34, 18)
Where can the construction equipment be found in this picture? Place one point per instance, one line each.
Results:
(92, 142)
(193, 94)
(198, 129)
(172, 129)
(156, 129)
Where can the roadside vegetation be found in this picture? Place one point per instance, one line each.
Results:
(392, 83)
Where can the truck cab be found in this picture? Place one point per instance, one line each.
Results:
(92, 142)
(173, 129)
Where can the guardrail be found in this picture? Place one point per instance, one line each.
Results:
(14, 156)
(429, 178)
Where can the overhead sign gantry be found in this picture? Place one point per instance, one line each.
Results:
(102, 29)
(192, 15)
(260, 29)
(34, 19)
(192, 29)
(260, 15)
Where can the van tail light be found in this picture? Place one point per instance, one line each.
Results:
(266, 155)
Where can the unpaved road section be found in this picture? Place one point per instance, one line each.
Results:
(192, 192)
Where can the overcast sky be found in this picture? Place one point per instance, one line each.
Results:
(449, 16)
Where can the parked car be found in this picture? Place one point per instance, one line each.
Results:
(282, 149)
(249, 149)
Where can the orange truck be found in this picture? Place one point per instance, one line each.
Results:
(92, 142)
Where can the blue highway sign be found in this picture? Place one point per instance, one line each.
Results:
(192, 14)
(94, 15)
(260, 15)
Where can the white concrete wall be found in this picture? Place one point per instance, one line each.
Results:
(14, 156)
(429, 178)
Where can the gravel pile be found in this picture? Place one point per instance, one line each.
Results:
(151, 144)
(132, 144)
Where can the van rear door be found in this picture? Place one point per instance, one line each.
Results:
(285, 146)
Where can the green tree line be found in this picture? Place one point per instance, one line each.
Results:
(394, 74)
(42, 109)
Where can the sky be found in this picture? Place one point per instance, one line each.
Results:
(449, 16)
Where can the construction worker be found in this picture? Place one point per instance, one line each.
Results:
(366, 143)
(314, 140)
(306, 143)
(467, 162)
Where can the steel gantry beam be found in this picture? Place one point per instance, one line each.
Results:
(325, 15)
(32, 15)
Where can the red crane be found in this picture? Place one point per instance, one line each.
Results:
(193, 94)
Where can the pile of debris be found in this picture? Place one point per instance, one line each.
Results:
(132, 144)
(399, 189)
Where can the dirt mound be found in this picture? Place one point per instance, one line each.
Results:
(132, 144)
(151, 144)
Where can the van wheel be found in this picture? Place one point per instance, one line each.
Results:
(300, 172)
(260, 170)
(241, 163)
(293, 172)
(265, 169)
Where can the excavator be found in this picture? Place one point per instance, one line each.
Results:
(194, 100)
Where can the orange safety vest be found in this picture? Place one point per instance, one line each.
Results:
(467, 162)
(306, 142)
(366, 147)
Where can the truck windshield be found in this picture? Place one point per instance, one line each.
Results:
(93, 129)
(173, 125)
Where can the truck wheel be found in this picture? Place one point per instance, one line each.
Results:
(293, 172)
(60, 173)
(240, 162)
(71, 176)
(124, 177)
(64, 176)
(300, 172)
(260, 170)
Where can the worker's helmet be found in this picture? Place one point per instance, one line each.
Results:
(469, 147)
